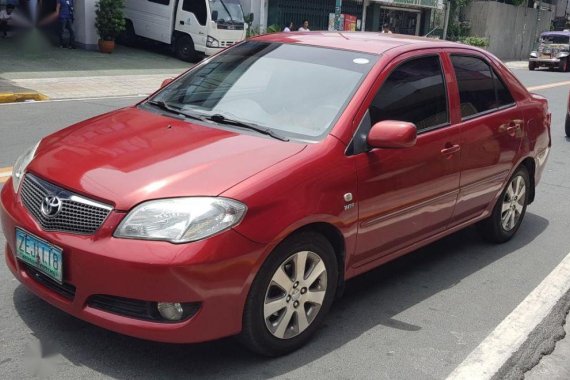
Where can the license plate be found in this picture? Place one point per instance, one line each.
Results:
(38, 253)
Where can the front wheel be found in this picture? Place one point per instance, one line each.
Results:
(563, 65)
(567, 125)
(291, 295)
(531, 66)
(509, 210)
(184, 49)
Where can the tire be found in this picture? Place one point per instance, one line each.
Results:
(531, 66)
(128, 37)
(567, 125)
(184, 48)
(563, 67)
(281, 332)
(509, 210)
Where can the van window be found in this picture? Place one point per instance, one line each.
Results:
(198, 7)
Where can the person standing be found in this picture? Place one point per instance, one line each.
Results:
(64, 11)
(386, 29)
(288, 28)
(5, 17)
(305, 27)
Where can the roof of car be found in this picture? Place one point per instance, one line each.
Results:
(367, 42)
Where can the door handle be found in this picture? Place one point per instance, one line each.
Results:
(512, 128)
(181, 22)
(450, 150)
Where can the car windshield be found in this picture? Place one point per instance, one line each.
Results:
(228, 10)
(298, 91)
(555, 39)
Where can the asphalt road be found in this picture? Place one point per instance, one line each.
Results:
(415, 318)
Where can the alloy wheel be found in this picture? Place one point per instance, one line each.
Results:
(295, 294)
(513, 203)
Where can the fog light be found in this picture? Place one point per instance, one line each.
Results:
(170, 311)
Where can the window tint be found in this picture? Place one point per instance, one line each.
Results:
(504, 97)
(163, 2)
(414, 92)
(480, 89)
(198, 7)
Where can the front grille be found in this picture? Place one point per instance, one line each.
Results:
(64, 290)
(138, 309)
(77, 214)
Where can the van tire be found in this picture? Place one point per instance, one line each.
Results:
(184, 48)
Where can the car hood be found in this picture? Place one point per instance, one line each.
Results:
(131, 155)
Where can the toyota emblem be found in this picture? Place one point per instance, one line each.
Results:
(51, 206)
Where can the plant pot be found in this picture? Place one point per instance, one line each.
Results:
(106, 46)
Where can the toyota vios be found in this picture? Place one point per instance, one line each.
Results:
(239, 198)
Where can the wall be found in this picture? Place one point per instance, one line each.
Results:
(85, 33)
(511, 30)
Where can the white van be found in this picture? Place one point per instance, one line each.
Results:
(189, 26)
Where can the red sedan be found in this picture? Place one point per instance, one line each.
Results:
(240, 197)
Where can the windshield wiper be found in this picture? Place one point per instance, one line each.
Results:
(176, 110)
(221, 119)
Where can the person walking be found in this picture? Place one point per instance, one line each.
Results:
(305, 27)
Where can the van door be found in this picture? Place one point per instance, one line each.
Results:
(191, 18)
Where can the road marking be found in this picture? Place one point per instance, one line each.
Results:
(77, 99)
(510, 347)
(551, 85)
(5, 173)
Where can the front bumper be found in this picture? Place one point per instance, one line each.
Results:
(215, 273)
(545, 61)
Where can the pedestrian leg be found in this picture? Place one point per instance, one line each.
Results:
(60, 30)
(69, 27)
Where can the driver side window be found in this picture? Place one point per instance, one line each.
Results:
(414, 92)
(198, 7)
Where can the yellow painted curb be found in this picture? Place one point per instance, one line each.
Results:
(11, 97)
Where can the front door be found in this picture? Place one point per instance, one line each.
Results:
(407, 195)
(191, 18)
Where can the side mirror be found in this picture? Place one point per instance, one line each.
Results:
(250, 18)
(391, 134)
(214, 16)
(166, 82)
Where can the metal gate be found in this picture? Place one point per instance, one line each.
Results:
(281, 12)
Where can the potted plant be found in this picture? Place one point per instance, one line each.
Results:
(109, 22)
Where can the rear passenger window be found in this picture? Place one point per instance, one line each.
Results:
(480, 89)
(414, 92)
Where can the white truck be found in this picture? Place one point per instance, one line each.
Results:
(189, 26)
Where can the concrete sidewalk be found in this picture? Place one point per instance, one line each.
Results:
(31, 65)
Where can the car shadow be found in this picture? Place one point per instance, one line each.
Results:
(372, 299)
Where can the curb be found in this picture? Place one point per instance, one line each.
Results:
(11, 97)
(528, 333)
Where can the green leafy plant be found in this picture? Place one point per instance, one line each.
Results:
(109, 19)
(476, 41)
(273, 29)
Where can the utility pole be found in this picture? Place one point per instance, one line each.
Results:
(446, 21)
(537, 23)
(337, 12)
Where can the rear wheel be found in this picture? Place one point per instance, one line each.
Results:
(128, 36)
(509, 210)
(291, 295)
(184, 48)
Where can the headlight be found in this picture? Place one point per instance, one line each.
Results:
(181, 220)
(21, 165)
(562, 54)
(533, 54)
(212, 42)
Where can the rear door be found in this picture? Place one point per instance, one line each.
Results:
(407, 195)
(492, 132)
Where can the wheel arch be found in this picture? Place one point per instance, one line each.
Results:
(530, 166)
